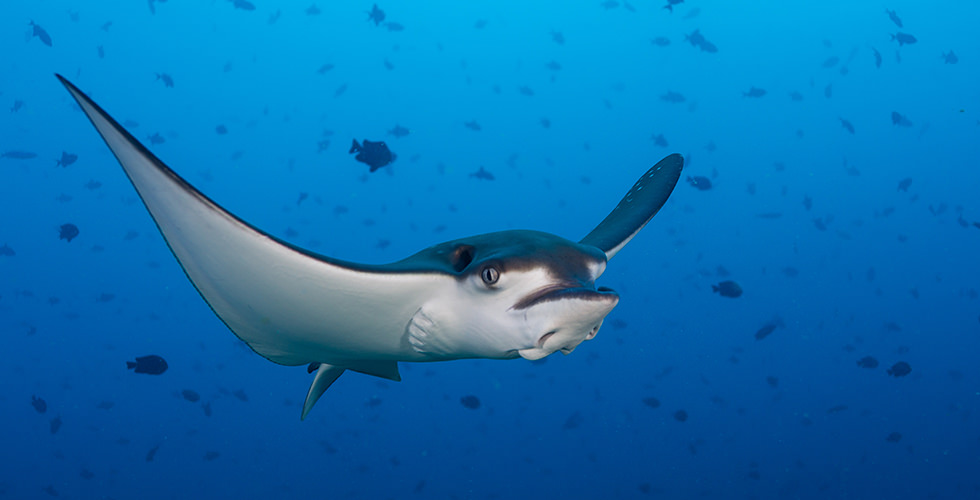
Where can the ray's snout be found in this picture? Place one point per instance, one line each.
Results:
(575, 317)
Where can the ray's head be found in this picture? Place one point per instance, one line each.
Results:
(518, 293)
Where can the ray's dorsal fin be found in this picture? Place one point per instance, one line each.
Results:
(640, 204)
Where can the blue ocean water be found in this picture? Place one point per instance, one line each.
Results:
(843, 202)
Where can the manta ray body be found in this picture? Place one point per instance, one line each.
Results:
(500, 295)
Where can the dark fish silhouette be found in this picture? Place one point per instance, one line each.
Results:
(39, 404)
(950, 58)
(473, 125)
(471, 402)
(312, 10)
(900, 369)
(67, 232)
(18, 155)
(373, 154)
(150, 365)
(6, 251)
(377, 15)
(394, 27)
(671, 3)
(700, 182)
(660, 41)
(40, 33)
(399, 131)
(152, 453)
(900, 119)
(894, 17)
(482, 174)
(696, 39)
(903, 38)
(847, 125)
(156, 138)
(877, 57)
(754, 92)
(190, 395)
(558, 38)
(727, 288)
(903, 185)
(673, 97)
(66, 159)
(893, 437)
(221, 130)
(830, 62)
(651, 402)
(680, 416)
(768, 328)
(55, 424)
(242, 4)
(167, 80)
(659, 140)
(867, 362)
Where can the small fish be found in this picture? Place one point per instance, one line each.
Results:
(92, 185)
(836, 409)
(152, 453)
(696, 39)
(221, 130)
(150, 365)
(893, 437)
(156, 139)
(754, 92)
(325, 68)
(727, 288)
(66, 159)
(473, 125)
(6, 251)
(242, 4)
(700, 182)
(18, 155)
(558, 38)
(900, 369)
(830, 62)
(18, 103)
(374, 154)
(39, 404)
(190, 395)
(67, 232)
(660, 41)
(670, 5)
(950, 58)
(894, 17)
(796, 96)
(768, 328)
(868, 362)
(394, 27)
(903, 38)
(471, 402)
(651, 402)
(525, 90)
(847, 125)
(399, 131)
(482, 174)
(673, 97)
(553, 66)
(55, 424)
(312, 10)
(377, 15)
(659, 140)
(40, 33)
(680, 416)
(167, 80)
(900, 119)
(877, 57)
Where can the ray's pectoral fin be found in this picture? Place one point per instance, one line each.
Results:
(326, 375)
(640, 204)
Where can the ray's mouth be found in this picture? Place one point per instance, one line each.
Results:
(564, 291)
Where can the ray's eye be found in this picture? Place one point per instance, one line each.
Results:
(490, 275)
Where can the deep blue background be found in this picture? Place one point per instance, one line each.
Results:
(886, 278)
